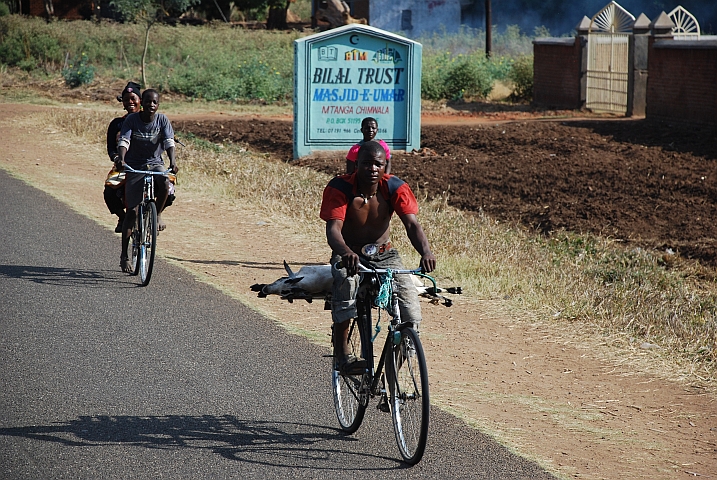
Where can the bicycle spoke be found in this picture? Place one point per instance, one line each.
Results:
(408, 384)
(350, 400)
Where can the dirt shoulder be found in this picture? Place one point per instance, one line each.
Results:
(571, 402)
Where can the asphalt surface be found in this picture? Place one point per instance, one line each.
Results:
(101, 378)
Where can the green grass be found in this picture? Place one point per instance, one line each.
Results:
(220, 62)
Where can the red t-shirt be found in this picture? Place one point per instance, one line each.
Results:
(341, 191)
(352, 156)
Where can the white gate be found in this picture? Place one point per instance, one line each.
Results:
(686, 25)
(608, 66)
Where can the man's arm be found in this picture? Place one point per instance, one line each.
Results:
(119, 159)
(172, 160)
(338, 246)
(419, 242)
(123, 142)
(112, 134)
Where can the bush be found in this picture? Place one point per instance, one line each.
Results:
(468, 78)
(521, 74)
(4, 9)
(447, 77)
(78, 72)
(29, 49)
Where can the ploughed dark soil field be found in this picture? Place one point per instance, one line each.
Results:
(649, 183)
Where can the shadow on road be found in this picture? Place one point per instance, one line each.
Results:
(237, 263)
(265, 443)
(63, 276)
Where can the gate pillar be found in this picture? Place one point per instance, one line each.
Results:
(637, 91)
(582, 29)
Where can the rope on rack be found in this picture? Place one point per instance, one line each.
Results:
(383, 298)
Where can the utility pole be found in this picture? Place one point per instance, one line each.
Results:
(488, 30)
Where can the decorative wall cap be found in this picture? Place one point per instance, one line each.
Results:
(642, 24)
(662, 25)
(584, 26)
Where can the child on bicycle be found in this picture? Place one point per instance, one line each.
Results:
(144, 136)
(369, 128)
(114, 187)
(357, 209)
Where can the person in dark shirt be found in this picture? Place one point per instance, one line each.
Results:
(114, 184)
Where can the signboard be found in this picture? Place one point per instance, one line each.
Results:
(347, 74)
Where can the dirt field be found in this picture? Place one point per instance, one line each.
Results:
(570, 402)
(651, 183)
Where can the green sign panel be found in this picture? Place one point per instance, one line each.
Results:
(347, 74)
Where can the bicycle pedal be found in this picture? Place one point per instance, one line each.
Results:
(383, 405)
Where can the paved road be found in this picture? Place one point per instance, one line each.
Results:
(103, 379)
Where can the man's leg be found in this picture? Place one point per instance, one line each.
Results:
(341, 339)
(127, 227)
(343, 309)
(115, 205)
(161, 191)
(408, 302)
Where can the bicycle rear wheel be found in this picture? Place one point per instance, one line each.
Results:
(148, 242)
(351, 392)
(408, 385)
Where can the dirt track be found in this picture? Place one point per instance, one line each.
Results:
(651, 183)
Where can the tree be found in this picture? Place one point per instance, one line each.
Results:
(276, 20)
(149, 12)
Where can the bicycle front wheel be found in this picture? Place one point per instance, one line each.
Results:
(408, 386)
(148, 242)
(351, 391)
(135, 243)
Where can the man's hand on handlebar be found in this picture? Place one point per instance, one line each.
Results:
(428, 263)
(173, 168)
(350, 261)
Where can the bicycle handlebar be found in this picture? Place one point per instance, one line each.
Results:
(364, 269)
(432, 292)
(146, 172)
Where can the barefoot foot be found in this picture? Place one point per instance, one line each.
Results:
(125, 265)
(160, 224)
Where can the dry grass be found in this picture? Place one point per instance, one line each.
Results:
(590, 285)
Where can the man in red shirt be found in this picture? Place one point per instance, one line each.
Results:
(357, 209)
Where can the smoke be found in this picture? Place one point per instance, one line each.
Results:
(561, 16)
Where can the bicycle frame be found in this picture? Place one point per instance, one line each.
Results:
(144, 233)
(364, 301)
(148, 181)
(401, 376)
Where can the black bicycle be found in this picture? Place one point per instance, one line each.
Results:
(402, 366)
(144, 233)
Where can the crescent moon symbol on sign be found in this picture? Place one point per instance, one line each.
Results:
(354, 39)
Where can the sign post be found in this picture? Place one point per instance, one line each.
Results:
(347, 74)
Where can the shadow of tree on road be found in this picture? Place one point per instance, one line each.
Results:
(265, 443)
(67, 277)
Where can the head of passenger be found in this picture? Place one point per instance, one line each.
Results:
(130, 97)
(369, 128)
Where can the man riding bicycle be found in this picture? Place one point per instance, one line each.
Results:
(357, 209)
(144, 136)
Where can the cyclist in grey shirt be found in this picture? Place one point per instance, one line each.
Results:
(144, 136)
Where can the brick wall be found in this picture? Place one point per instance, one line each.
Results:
(682, 81)
(65, 9)
(556, 72)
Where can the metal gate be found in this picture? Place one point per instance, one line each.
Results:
(608, 66)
